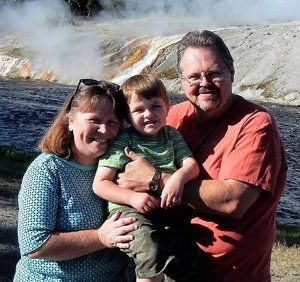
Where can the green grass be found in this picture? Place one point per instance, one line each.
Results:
(288, 235)
(14, 163)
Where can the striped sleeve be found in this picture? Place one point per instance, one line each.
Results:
(181, 149)
(115, 156)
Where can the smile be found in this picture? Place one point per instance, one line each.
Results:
(150, 122)
(102, 141)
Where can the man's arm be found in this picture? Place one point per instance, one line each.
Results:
(225, 197)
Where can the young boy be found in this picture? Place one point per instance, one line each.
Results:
(164, 147)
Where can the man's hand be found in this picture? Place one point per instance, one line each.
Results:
(137, 173)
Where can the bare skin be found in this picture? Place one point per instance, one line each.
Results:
(228, 197)
(70, 245)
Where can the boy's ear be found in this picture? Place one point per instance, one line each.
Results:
(168, 107)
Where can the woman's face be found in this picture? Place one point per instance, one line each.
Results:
(93, 132)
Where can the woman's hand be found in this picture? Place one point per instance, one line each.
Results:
(137, 173)
(114, 231)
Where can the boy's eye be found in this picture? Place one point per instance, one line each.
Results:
(113, 123)
(137, 110)
(156, 106)
(95, 121)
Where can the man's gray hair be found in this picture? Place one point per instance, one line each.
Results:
(204, 38)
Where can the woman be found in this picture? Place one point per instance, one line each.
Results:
(63, 234)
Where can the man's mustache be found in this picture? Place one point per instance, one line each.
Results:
(210, 89)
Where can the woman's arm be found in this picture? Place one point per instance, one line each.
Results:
(70, 245)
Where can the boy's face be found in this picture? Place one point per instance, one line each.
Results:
(148, 116)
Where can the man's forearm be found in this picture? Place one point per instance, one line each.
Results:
(225, 197)
(208, 196)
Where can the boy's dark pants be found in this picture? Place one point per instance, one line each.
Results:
(162, 244)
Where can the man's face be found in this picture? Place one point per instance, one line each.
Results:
(206, 81)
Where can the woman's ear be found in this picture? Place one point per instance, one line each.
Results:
(70, 120)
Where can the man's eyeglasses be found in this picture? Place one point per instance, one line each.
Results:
(211, 77)
(91, 82)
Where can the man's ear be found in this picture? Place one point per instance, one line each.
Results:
(232, 74)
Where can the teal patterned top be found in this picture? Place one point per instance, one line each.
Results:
(56, 195)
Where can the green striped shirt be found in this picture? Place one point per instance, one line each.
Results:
(164, 151)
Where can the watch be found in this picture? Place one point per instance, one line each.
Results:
(154, 182)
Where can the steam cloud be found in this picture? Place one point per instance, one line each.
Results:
(44, 29)
(45, 32)
(177, 16)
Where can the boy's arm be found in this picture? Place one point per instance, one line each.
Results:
(173, 190)
(189, 169)
(104, 186)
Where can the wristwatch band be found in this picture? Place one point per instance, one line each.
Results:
(154, 182)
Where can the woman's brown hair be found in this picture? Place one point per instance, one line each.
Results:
(58, 139)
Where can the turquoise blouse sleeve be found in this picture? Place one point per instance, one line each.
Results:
(38, 206)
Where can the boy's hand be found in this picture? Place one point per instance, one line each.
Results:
(143, 202)
(171, 196)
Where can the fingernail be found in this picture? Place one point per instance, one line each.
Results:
(136, 226)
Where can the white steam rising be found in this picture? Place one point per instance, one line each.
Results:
(47, 36)
(45, 32)
(177, 16)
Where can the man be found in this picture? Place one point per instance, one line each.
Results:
(242, 163)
